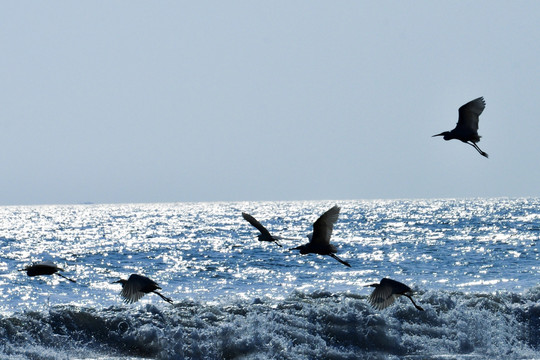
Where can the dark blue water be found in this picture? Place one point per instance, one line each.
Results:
(474, 265)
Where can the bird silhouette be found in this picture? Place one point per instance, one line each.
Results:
(387, 291)
(264, 233)
(44, 268)
(319, 240)
(136, 286)
(466, 129)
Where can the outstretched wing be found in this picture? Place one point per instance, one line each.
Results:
(322, 228)
(382, 297)
(256, 224)
(131, 294)
(131, 290)
(469, 114)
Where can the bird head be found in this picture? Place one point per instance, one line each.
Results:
(121, 281)
(445, 134)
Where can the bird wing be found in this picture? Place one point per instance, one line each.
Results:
(46, 264)
(396, 286)
(131, 290)
(469, 114)
(131, 294)
(382, 297)
(41, 268)
(322, 228)
(250, 219)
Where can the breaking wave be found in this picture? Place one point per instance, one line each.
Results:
(313, 325)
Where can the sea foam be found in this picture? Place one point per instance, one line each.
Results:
(302, 326)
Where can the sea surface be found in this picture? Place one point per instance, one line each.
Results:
(474, 265)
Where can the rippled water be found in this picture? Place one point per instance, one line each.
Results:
(456, 254)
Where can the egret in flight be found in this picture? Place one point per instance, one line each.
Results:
(466, 129)
(264, 233)
(319, 240)
(387, 291)
(136, 286)
(44, 268)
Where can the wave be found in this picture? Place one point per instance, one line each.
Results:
(313, 325)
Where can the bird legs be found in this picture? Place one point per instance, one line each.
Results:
(65, 277)
(277, 243)
(410, 298)
(163, 297)
(341, 261)
(477, 148)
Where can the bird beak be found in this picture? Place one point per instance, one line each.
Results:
(441, 134)
(296, 248)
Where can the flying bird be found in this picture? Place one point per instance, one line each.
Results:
(466, 129)
(319, 240)
(136, 286)
(264, 233)
(44, 268)
(387, 291)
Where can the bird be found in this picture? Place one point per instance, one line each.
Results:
(319, 240)
(466, 129)
(387, 291)
(44, 268)
(136, 286)
(265, 234)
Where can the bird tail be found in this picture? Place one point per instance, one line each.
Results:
(416, 306)
(341, 261)
(65, 277)
(163, 297)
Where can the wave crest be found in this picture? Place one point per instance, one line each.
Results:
(303, 326)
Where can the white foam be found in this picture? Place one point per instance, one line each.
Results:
(302, 326)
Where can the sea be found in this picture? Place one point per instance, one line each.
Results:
(473, 264)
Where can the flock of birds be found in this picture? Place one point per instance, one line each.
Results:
(136, 286)
(385, 293)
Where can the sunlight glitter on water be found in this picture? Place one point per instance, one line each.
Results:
(206, 250)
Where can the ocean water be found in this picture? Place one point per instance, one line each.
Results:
(473, 264)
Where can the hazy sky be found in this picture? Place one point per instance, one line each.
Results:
(138, 101)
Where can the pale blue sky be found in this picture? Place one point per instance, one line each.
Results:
(137, 101)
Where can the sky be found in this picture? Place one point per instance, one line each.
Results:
(177, 101)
